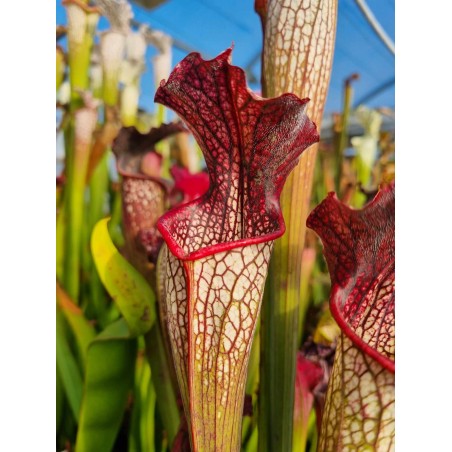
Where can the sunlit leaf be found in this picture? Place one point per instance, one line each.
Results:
(108, 382)
(83, 331)
(130, 291)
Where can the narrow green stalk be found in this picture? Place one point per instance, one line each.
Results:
(70, 266)
(252, 381)
(363, 173)
(166, 396)
(148, 417)
(114, 226)
(59, 401)
(86, 260)
(246, 427)
(161, 114)
(142, 431)
(299, 437)
(77, 166)
(134, 431)
(163, 146)
(301, 434)
(320, 184)
(82, 22)
(110, 91)
(313, 434)
(98, 188)
(307, 265)
(60, 237)
(252, 445)
(343, 137)
(68, 367)
(252, 386)
(279, 322)
(366, 147)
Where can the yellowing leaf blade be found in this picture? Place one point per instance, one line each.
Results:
(128, 288)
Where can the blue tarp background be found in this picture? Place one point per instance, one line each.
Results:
(210, 26)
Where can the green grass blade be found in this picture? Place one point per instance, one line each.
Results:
(162, 381)
(108, 382)
(59, 401)
(147, 427)
(60, 237)
(142, 372)
(98, 190)
(68, 368)
(82, 330)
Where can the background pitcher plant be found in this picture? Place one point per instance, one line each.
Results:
(359, 249)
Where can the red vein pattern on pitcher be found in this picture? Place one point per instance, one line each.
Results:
(220, 244)
(359, 249)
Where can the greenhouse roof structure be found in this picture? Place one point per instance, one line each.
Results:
(210, 26)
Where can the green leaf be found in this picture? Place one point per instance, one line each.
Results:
(60, 238)
(83, 331)
(108, 381)
(141, 367)
(67, 367)
(59, 401)
(98, 191)
(132, 294)
(162, 381)
(147, 408)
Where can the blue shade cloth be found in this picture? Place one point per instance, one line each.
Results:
(210, 26)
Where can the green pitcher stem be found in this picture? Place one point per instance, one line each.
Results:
(82, 21)
(114, 226)
(163, 146)
(307, 265)
(79, 145)
(279, 337)
(297, 58)
(71, 261)
(343, 137)
(98, 187)
(75, 203)
(252, 385)
(161, 378)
